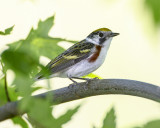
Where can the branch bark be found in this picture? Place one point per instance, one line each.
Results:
(93, 88)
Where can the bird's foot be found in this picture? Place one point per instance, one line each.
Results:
(87, 84)
(74, 84)
(88, 80)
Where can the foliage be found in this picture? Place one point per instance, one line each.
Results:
(19, 120)
(22, 57)
(45, 119)
(14, 96)
(7, 31)
(153, 5)
(109, 120)
(11, 90)
(67, 116)
(151, 124)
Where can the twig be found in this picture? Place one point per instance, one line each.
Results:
(6, 88)
(5, 83)
(95, 87)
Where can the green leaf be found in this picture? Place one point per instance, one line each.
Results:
(44, 27)
(36, 88)
(93, 126)
(14, 96)
(23, 65)
(151, 124)
(23, 56)
(67, 116)
(153, 6)
(109, 121)
(19, 120)
(11, 91)
(40, 113)
(3, 98)
(7, 31)
(38, 43)
(45, 47)
(18, 61)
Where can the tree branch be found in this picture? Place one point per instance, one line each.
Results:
(95, 87)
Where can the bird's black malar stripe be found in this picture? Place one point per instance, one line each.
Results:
(102, 40)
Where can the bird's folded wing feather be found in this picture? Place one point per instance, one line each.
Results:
(71, 56)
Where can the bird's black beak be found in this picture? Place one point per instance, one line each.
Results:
(113, 34)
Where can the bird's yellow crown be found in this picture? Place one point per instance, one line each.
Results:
(102, 29)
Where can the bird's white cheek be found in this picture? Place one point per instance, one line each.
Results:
(94, 41)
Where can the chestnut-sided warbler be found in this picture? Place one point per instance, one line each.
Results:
(82, 58)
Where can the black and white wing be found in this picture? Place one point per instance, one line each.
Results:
(71, 56)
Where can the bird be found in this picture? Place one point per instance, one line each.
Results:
(81, 59)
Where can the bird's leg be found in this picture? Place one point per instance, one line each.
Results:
(87, 79)
(76, 83)
(80, 78)
(73, 81)
(73, 84)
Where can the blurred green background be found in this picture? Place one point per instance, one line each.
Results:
(134, 54)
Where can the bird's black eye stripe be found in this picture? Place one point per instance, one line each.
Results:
(100, 34)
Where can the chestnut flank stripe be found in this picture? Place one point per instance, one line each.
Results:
(95, 55)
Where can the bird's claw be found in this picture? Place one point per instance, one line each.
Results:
(89, 80)
(95, 78)
(71, 86)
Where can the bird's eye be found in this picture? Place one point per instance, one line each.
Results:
(100, 34)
